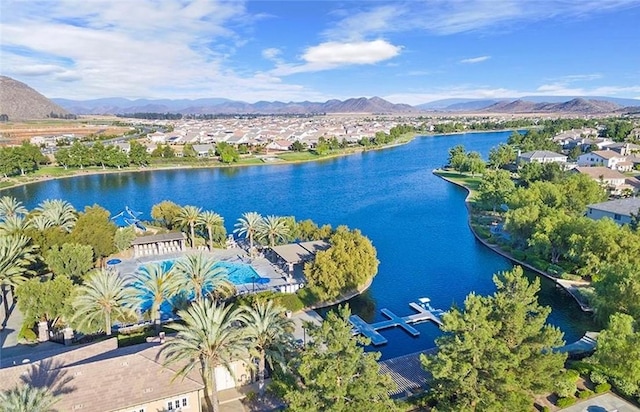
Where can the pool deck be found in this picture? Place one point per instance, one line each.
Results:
(277, 277)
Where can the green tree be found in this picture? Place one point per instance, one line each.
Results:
(501, 156)
(58, 213)
(349, 263)
(497, 352)
(298, 146)
(189, 151)
(457, 158)
(189, 217)
(226, 152)
(214, 223)
(27, 398)
(99, 153)
(152, 285)
(273, 229)
(618, 353)
(207, 338)
(79, 155)
(45, 300)
(100, 302)
(249, 226)
(138, 154)
(199, 276)
(270, 332)
(618, 290)
(63, 157)
(94, 228)
(336, 375)
(10, 207)
(123, 238)
(165, 213)
(16, 257)
(71, 259)
(495, 187)
(474, 164)
(116, 157)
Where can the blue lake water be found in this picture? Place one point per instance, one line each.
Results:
(416, 221)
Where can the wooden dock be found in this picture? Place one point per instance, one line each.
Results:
(424, 313)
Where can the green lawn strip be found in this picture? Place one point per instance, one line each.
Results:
(470, 182)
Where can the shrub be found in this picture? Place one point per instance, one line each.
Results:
(585, 394)
(565, 402)
(583, 368)
(546, 409)
(566, 384)
(627, 388)
(570, 276)
(555, 270)
(597, 377)
(27, 333)
(308, 296)
(519, 254)
(603, 387)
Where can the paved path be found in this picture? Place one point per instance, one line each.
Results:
(607, 402)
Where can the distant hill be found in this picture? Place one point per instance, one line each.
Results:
(455, 105)
(579, 106)
(225, 106)
(20, 102)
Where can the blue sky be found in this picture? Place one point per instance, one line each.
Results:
(404, 51)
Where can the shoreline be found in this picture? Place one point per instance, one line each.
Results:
(567, 285)
(91, 172)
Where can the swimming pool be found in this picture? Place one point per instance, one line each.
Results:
(239, 273)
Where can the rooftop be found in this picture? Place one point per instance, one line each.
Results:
(619, 206)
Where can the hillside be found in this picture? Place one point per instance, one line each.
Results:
(577, 106)
(223, 106)
(20, 102)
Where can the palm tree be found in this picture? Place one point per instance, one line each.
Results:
(58, 213)
(14, 225)
(10, 206)
(16, 255)
(188, 216)
(153, 285)
(100, 302)
(248, 226)
(273, 228)
(271, 334)
(211, 220)
(207, 338)
(199, 275)
(39, 222)
(27, 398)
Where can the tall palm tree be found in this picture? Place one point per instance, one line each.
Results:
(248, 226)
(188, 216)
(16, 255)
(58, 213)
(14, 225)
(270, 332)
(39, 222)
(212, 221)
(199, 275)
(273, 228)
(206, 339)
(10, 206)
(27, 398)
(153, 285)
(100, 302)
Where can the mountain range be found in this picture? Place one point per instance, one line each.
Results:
(19, 102)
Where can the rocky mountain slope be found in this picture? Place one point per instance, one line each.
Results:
(20, 102)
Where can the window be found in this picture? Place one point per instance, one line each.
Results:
(177, 402)
(617, 217)
(170, 406)
(184, 402)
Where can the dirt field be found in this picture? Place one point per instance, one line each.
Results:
(15, 133)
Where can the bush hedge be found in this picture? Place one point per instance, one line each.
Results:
(603, 387)
(584, 394)
(27, 333)
(565, 402)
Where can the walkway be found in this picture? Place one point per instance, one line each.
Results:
(607, 402)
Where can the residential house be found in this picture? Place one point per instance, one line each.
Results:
(618, 210)
(100, 377)
(615, 182)
(279, 145)
(157, 137)
(204, 150)
(607, 158)
(541, 156)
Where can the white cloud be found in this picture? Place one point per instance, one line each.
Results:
(271, 53)
(331, 55)
(474, 60)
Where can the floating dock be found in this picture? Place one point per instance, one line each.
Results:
(370, 330)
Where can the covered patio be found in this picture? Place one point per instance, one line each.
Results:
(159, 244)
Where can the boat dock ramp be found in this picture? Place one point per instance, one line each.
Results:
(370, 330)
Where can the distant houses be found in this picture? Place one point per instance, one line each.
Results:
(541, 156)
(618, 210)
(613, 180)
(608, 158)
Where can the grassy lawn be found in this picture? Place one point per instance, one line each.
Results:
(298, 156)
(468, 181)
